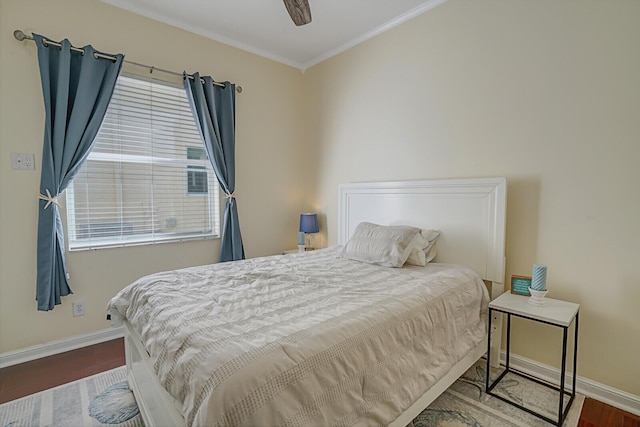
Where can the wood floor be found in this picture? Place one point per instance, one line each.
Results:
(30, 377)
(596, 414)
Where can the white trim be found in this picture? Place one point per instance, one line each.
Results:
(59, 346)
(601, 392)
(428, 5)
(123, 4)
(178, 23)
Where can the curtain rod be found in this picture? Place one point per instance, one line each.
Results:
(20, 36)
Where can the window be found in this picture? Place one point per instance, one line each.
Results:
(197, 181)
(140, 178)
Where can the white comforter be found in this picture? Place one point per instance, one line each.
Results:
(305, 339)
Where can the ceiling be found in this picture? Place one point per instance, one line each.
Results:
(263, 27)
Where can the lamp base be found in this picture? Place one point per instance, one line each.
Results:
(307, 242)
(302, 248)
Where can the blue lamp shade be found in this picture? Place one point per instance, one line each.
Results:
(309, 223)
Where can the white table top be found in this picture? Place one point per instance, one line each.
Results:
(557, 312)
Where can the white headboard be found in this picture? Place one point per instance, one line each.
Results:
(469, 213)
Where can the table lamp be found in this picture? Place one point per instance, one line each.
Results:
(308, 225)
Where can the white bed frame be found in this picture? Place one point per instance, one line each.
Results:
(471, 217)
(469, 213)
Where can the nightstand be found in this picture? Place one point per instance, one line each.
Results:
(292, 251)
(557, 313)
(297, 251)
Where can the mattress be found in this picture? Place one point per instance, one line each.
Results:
(304, 339)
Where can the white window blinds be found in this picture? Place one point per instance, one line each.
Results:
(148, 178)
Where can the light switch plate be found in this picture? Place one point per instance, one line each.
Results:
(23, 161)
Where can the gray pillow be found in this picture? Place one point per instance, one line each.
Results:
(424, 249)
(385, 245)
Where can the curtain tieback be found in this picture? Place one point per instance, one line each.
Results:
(49, 199)
(230, 195)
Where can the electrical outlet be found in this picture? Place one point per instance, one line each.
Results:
(23, 161)
(78, 309)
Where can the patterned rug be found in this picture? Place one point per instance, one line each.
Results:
(102, 399)
(105, 400)
(466, 404)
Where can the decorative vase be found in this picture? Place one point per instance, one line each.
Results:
(537, 297)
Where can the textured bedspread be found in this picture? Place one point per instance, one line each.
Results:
(305, 339)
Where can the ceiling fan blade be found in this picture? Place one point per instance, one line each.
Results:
(299, 11)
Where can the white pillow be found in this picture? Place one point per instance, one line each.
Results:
(424, 249)
(388, 246)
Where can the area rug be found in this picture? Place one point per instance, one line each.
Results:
(102, 399)
(105, 400)
(466, 404)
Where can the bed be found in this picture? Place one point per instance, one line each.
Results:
(317, 339)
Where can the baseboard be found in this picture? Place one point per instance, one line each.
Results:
(60, 346)
(609, 395)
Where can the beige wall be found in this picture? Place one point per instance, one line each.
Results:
(545, 93)
(270, 159)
